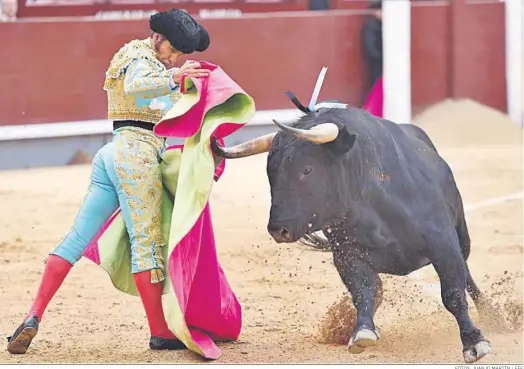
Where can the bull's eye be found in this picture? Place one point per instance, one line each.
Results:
(307, 171)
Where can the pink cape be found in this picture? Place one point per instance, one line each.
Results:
(375, 101)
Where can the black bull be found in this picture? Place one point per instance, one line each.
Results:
(386, 202)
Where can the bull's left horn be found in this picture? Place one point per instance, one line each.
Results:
(323, 133)
(252, 147)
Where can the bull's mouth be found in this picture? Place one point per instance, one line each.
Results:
(283, 234)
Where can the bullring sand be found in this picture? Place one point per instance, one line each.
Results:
(292, 296)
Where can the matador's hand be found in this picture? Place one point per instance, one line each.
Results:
(190, 68)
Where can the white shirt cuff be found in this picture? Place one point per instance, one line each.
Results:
(171, 84)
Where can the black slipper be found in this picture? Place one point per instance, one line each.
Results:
(19, 342)
(159, 343)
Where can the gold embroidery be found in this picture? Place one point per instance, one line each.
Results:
(137, 153)
(133, 50)
(175, 97)
(122, 106)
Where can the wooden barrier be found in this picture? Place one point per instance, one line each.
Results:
(79, 8)
(53, 71)
(478, 61)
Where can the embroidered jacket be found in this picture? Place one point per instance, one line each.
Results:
(138, 86)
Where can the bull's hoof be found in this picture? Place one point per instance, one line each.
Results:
(361, 340)
(477, 352)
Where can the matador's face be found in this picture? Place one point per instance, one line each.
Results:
(165, 52)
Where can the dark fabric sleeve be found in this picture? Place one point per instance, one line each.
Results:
(371, 39)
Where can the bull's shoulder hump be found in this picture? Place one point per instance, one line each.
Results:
(416, 132)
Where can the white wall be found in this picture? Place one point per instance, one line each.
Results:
(515, 59)
(396, 35)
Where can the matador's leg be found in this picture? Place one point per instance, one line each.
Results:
(138, 180)
(99, 204)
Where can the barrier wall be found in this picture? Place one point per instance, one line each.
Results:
(53, 70)
(479, 54)
(431, 69)
(78, 8)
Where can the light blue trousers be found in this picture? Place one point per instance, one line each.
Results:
(125, 174)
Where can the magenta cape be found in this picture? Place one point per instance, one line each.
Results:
(201, 307)
(375, 100)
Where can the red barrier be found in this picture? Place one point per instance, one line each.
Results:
(479, 53)
(53, 71)
(431, 51)
(92, 7)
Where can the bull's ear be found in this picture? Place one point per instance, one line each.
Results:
(343, 143)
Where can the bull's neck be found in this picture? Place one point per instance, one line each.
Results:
(349, 183)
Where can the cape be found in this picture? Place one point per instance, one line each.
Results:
(375, 100)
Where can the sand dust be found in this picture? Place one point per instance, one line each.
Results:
(286, 290)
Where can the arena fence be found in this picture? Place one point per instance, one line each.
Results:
(57, 144)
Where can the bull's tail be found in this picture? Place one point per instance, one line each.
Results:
(465, 248)
(472, 288)
(463, 235)
(489, 315)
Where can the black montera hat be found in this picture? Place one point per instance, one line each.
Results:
(181, 30)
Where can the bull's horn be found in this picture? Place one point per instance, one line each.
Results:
(323, 133)
(252, 147)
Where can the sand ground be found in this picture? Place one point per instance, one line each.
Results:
(285, 290)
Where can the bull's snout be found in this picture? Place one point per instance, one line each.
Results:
(280, 233)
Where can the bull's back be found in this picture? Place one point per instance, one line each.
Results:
(420, 153)
(415, 191)
(406, 151)
(417, 133)
(430, 176)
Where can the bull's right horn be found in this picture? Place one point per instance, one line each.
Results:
(252, 147)
(321, 134)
